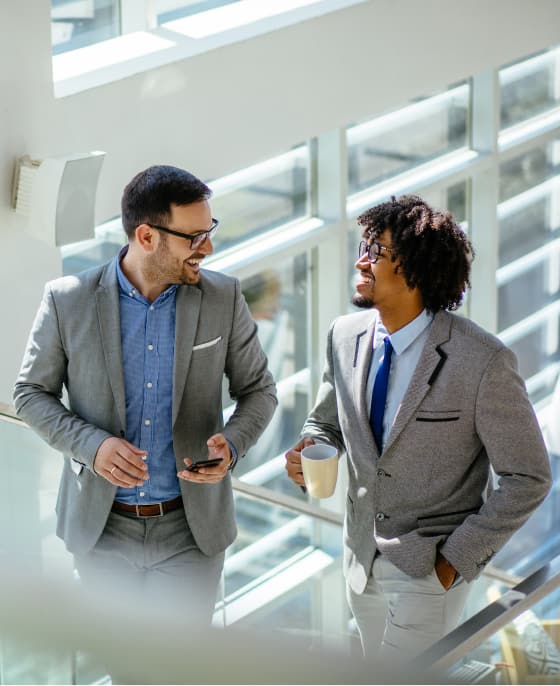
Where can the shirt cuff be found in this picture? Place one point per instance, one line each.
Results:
(234, 455)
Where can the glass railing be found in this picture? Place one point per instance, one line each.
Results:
(515, 639)
(282, 575)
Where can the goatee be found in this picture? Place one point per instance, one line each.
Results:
(361, 301)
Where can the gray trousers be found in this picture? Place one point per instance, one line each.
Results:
(399, 616)
(153, 562)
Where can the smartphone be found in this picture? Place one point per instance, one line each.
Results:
(195, 466)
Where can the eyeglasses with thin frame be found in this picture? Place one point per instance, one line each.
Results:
(196, 239)
(373, 251)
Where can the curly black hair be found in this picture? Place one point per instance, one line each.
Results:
(431, 250)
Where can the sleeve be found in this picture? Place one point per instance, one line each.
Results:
(322, 423)
(510, 433)
(38, 390)
(251, 385)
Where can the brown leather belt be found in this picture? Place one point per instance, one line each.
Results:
(152, 510)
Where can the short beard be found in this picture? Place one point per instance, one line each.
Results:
(361, 301)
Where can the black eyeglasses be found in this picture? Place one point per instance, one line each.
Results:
(373, 251)
(196, 239)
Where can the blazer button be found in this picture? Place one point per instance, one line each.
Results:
(380, 472)
(380, 516)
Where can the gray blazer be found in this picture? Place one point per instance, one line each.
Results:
(75, 343)
(466, 409)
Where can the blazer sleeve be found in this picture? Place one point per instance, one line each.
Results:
(322, 422)
(510, 434)
(251, 385)
(38, 390)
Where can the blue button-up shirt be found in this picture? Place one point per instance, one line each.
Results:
(148, 345)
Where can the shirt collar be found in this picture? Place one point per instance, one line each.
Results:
(129, 289)
(403, 338)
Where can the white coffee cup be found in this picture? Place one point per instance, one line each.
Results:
(319, 463)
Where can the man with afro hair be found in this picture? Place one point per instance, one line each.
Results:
(424, 403)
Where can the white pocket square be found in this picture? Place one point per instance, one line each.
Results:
(208, 344)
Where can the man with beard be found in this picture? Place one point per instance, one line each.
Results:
(423, 402)
(141, 345)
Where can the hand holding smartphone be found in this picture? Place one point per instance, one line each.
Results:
(195, 466)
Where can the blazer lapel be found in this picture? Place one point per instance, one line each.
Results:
(362, 361)
(429, 365)
(108, 314)
(186, 323)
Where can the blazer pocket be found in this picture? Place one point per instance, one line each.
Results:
(447, 517)
(438, 416)
(208, 344)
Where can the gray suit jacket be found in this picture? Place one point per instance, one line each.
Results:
(75, 343)
(466, 408)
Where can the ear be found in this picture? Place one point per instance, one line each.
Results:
(146, 237)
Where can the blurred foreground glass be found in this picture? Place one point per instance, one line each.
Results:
(529, 88)
(391, 144)
(77, 23)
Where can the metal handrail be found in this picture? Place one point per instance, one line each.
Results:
(484, 624)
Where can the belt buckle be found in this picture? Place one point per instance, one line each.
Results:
(159, 514)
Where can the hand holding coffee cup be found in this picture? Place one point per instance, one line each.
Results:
(319, 464)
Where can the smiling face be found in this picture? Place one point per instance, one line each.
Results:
(382, 285)
(173, 261)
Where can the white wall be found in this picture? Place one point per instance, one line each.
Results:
(232, 106)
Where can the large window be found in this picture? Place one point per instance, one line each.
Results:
(529, 88)
(278, 300)
(262, 197)
(529, 258)
(391, 144)
(77, 23)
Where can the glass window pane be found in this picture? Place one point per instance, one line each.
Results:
(538, 354)
(277, 299)
(168, 10)
(77, 23)
(261, 198)
(523, 172)
(529, 257)
(391, 144)
(529, 88)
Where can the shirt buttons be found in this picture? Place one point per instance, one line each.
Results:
(150, 347)
(142, 494)
(144, 457)
(380, 516)
(147, 422)
(152, 308)
(149, 384)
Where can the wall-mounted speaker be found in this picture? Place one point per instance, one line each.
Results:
(57, 195)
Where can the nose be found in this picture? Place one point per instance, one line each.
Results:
(207, 247)
(362, 263)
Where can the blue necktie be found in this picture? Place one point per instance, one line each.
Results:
(379, 395)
